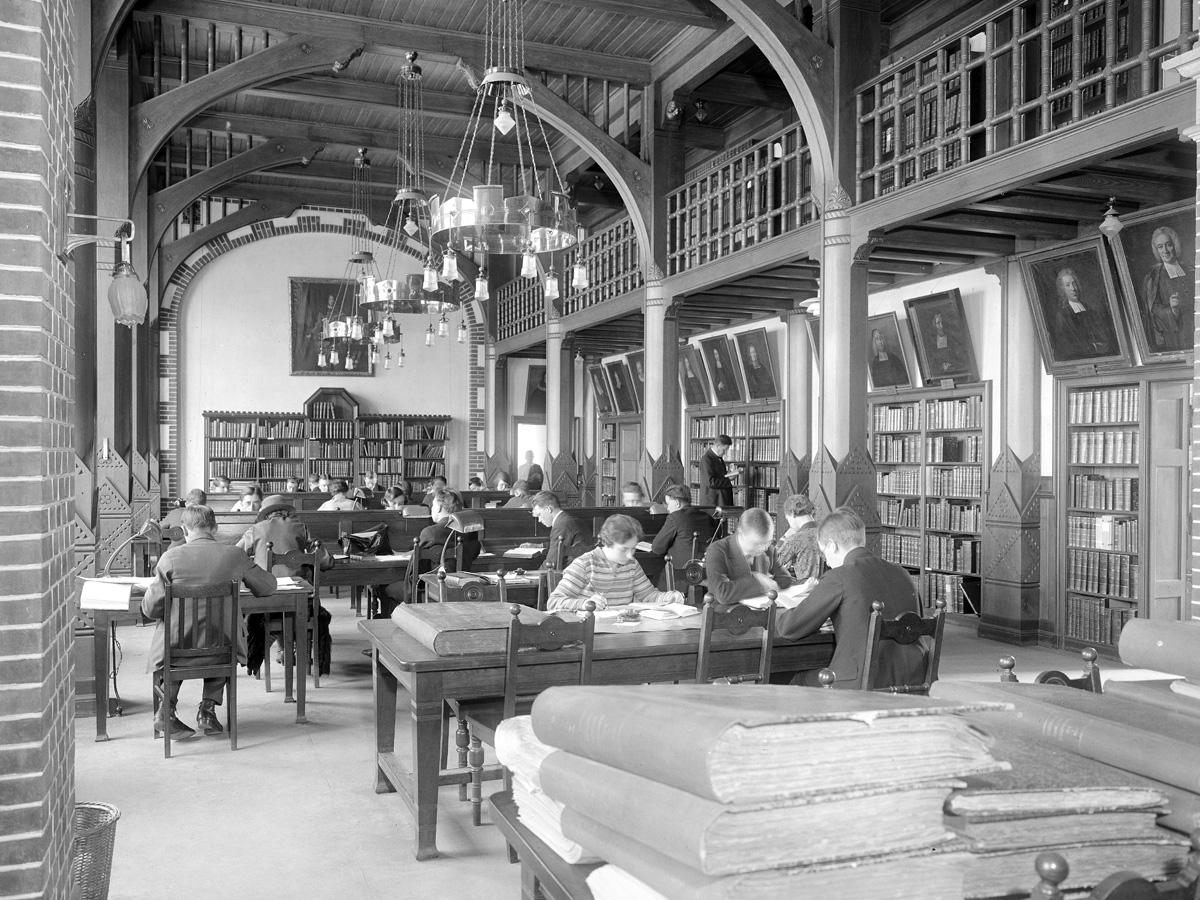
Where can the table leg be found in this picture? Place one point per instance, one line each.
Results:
(427, 705)
(100, 643)
(289, 658)
(300, 617)
(383, 688)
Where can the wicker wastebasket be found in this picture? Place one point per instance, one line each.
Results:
(91, 864)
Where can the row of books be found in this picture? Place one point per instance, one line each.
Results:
(330, 449)
(959, 481)
(231, 448)
(704, 429)
(896, 418)
(1103, 572)
(901, 549)
(233, 468)
(1102, 492)
(960, 596)
(222, 428)
(898, 481)
(889, 449)
(392, 448)
(323, 409)
(279, 470)
(954, 449)
(765, 423)
(765, 449)
(384, 467)
(732, 425)
(282, 429)
(337, 468)
(433, 451)
(1119, 533)
(342, 430)
(281, 451)
(899, 513)
(956, 554)
(422, 469)
(762, 476)
(424, 432)
(1104, 448)
(944, 515)
(1104, 405)
(966, 412)
(1090, 619)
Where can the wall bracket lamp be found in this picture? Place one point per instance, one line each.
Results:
(126, 294)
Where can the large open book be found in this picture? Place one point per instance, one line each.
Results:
(741, 743)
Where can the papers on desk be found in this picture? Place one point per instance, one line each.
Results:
(510, 578)
(649, 611)
(789, 598)
(289, 583)
(111, 593)
(644, 546)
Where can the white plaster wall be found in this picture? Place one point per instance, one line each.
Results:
(234, 349)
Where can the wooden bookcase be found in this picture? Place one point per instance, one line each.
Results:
(1122, 466)
(424, 448)
(381, 447)
(618, 455)
(757, 433)
(281, 451)
(331, 413)
(231, 446)
(932, 452)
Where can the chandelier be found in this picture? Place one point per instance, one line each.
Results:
(538, 218)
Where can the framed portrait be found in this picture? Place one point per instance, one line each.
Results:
(1074, 305)
(758, 366)
(886, 366)
(604, 402)
(637, 372)
(722, 372)
(692, 377)
(940, 334)
(312, 301)
(1156, 259)
(622, 390)
(813, 326)
(535, 391)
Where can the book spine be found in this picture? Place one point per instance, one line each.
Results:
(424, 632)
(1163, 646)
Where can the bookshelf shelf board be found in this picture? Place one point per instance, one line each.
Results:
(1127, 423)
(937, 571)
(1098, 511)
(1132, 601)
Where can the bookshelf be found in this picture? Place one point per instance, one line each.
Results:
(281, 451)
(331, 416)
(231, 446)
(619, 451)
(932, 452)
(424, 448)
(607, 459)
(381, 447)
(757, 433)
(1122, 459)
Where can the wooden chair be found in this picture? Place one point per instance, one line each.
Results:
(692, 571)
(192, 642)
(907, 628)
(422, 561)
(735, 619)
(1088, 681)
(550, 579)
(483, 717)
(306, 563)
(1052, 870)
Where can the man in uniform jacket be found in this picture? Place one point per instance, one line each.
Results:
(683, 521)
(743, 565)
(199, 560)
(569, 537)
(856, 577)
(714, 476)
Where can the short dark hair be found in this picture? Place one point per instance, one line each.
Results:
(450, 501)
(723, 439)
(755, 521)
(798, 505)
(631, 487)
(680, 492)
(196, 497)
(338, 486)
(394, 493)
(520, 489)
(199, 518)
(618, 530)
(842, 527)
(436, 478)
(548, 499)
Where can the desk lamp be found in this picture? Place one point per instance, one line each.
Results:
(464, 521)
(150, 529)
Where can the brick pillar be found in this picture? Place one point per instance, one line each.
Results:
(37, 460)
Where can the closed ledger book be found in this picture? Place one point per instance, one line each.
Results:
(720, 839)
(743, 745)
(454, 629)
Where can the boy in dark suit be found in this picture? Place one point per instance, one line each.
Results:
(569, 537)
(683, 521)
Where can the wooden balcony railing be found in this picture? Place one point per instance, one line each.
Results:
(1027, 70)
(743, 198)
(614, 268)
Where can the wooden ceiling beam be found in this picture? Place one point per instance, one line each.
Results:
(744, 90)
(1020, 227)
(683, 12)
(444, 45)
(977, 245)
(1031, 206)
(1106, 184)
(900, 267)
(304, 195)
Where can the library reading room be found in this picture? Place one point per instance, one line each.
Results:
(599, 449)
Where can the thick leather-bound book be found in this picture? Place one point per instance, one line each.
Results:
(455, 629)
(1164, 646)
(926, 873)
(722, 839)
(741, 743)
(1162, 693)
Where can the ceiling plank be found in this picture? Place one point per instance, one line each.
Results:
(977, 245)
(1052, 207)
(683, 12)
(1107, 184)
(381, 36)
(744, 90)
(1004, 225)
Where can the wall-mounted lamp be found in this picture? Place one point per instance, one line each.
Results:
(1112, 225)
(701, 111)
(126, 294)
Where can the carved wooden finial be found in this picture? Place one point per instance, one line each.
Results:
(826, 678)
(1007, 664)
(877, 606)
(940, 603)
(589, 609)
(710, 600)
(772, 596)
(1052, 869)
(519, 572)
(1089, 655)
(514, 610)
(441, 573)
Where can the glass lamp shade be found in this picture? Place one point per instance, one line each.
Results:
(552, 285)
(349, 361)
(126, 296)
(429, 336)
(429, 280)
(579, 277)
(356, 328)
(389, 327)
(481, 287)
(411, 227)
(462, 332)
(504, 117)
(322, 359)
(387, 360)
(334, 356)
(529, 265)
(443, 328)
(400, 359)
(1110, 227)
(450, 266)
(373, 355)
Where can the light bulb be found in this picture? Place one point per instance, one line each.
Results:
(400, 359)
(322, 359)
(387, 360)
(443, 326)
(411, 227)
(429, 283)
(462, 332)
(529, 265)
(334, 358)
(481, 287)
(389, 327)
(429, 336)
(552, 285)
(504, 117)
(450, 266)
(579, 277)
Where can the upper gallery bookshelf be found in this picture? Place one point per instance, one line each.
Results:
(932, 451)
(757, 433)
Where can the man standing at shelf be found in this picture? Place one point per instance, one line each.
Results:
(715, 476)
(856, 577)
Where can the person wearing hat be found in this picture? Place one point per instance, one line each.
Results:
(714, 476)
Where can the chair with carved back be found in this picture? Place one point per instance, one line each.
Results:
(1088, 681)
(1052, 870)
(526, 673)
(306, 564)
(423, 560)
(691, 573)
(200, 641)
(736, 620)
(905, 629)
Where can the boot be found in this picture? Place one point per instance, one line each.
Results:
(206, 718)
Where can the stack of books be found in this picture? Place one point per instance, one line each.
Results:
(698, 792)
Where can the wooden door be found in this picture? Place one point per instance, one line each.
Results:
(1168, 513)
(629, 462)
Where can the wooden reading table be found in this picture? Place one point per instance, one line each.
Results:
(543, 872)
(399, 659)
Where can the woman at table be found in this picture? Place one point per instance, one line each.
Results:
(609, 575)
(340, 499)
(395, 498)
(796, 551)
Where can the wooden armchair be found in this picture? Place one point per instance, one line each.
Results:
(907, 628)
(1088, 681)
(735, 619)
(525, 674)
(200, 641)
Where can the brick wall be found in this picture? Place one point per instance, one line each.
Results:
(37, 788)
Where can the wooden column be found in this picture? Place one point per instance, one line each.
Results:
(562, 469)
(495, 382)
(661, 463)
(843, 473)
(1012, 523)
(800, 388)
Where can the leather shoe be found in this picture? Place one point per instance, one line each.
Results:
(206, 718)
(178, 729)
